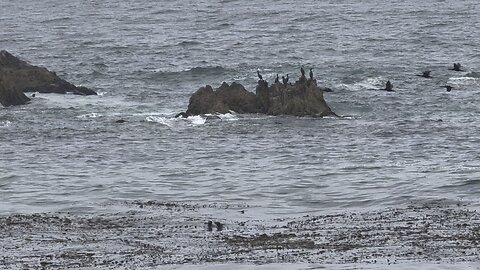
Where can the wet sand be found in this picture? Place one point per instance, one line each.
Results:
(151, 234)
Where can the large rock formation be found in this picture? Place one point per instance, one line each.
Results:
(302, 98)
(226, 98)
(17, 76)
(9, 95)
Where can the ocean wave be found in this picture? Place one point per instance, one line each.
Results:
(197, 120)
(5, 123)
(473, 74)
(90, 115)
(59, 19)
(188, 43)
(195, 71)
(160, 120)
(231, 116)
(368, 83)
(463, 81)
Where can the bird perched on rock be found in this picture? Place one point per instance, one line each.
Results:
(284, 80)
(302, 71)
(259, 75)
(311, 74)
(448, 87)
(426, 74)
(276, 79)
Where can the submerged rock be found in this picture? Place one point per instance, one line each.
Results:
(18, 76)
(302, 98)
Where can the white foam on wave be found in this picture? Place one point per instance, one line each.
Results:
(5, 123)
(368, 83)
(463, 81)
(197, 120)
(160, 120)
(90, 115)
(228, 116)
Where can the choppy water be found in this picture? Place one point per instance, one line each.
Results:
(145, 58)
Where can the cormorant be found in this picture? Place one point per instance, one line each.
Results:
(311, 74)
(449, 88)
(287, 78)
(259, 75)
(284, 80)
(302, 71)
(389, 86)
(276, 79)
(456, 67)
(425, 74)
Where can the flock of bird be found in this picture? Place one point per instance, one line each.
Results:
(388, 86)
(285, 79)
(426, 74)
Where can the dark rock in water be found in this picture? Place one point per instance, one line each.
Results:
(300, 99)
(326, 89)
(121, 121)
(226, 98)
(182, 114)
(18, 76)
(9, 95)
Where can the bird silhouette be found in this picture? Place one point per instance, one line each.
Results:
(389, 86)
(456, 67)
(448, 87)
(259, 75)
(425, 74)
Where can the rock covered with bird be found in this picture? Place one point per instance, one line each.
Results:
(302, 98)
(18, 76)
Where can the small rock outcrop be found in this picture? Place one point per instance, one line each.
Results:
(226, 98)
(303, 98)
(17, 76)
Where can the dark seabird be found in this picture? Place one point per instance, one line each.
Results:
(287, 78)
(284, 80)
(425, 74)
(259, 75)
(449, 88)
(311, 74)
(389, 86)
(219, 226)
(456, 67)
(209, 226)
(302, 71)
(276, 79)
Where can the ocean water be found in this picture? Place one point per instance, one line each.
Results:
(145, 59)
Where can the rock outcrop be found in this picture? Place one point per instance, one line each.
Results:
(9, 95)
(226, 98)
(17, 76)
(302, 98)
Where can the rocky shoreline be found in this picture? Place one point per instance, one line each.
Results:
(18, 77)
(152, 233)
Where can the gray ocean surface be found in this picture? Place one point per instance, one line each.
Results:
(145, 58)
